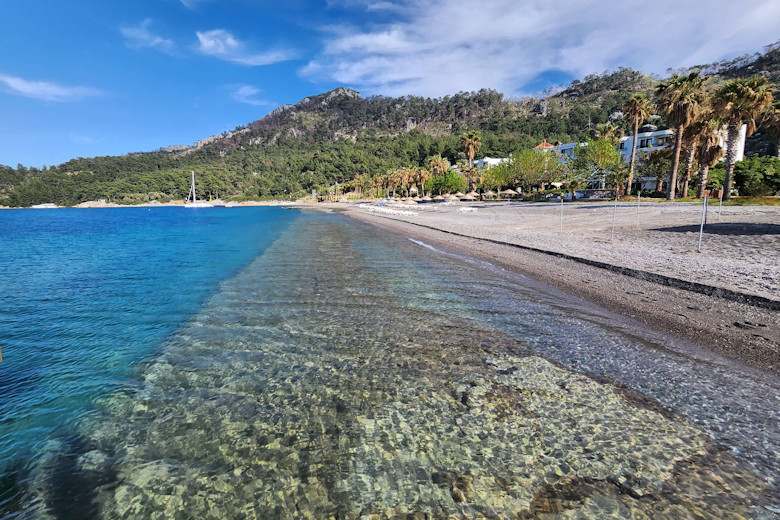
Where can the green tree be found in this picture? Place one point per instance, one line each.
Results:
(680, 99)
(471, 143)
(637, 109)
(534, 168)
(438, 165)
(448, 182)
(770, 121)
(740, 101)
(498, 176)
(600, 158)
(710, 151)
(608, 131)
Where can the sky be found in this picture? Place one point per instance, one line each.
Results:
(83, 78)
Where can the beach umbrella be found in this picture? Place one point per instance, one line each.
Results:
(410, 201)
(427, 198)
(489, 193)
(459, 194)
(438, 197)
(473, 194)
(468, 197)
(418, 199)
(509, 192)
(453, 197)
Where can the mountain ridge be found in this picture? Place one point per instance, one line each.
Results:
(339, 135)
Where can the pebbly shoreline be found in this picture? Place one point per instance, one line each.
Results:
(738, 254)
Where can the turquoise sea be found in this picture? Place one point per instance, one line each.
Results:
(271, 363)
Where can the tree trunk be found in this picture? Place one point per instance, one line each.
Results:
(731, 157)
(703, 173)
(633, 157)
(688, 167)
(670, 190)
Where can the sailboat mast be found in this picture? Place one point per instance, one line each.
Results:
(194, 198)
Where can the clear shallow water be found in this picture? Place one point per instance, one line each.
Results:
(346, 371)
(86, 294)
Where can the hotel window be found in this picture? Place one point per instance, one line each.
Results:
(623, 146)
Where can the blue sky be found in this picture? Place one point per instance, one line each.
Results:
(88, 77)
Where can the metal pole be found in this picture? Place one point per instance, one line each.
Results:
(638, 199)
(706, 208)
(701, 227)
(720, 203)
(614, 213)
(561, 212)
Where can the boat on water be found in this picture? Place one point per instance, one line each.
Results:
(192, 199)
(46, 205)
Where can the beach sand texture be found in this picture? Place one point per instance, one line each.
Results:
(740, 251)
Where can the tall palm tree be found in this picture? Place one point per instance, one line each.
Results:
(423, 175)
(740, 101)
(471, 143)
(394, 179)
(710, 151)
(680, 99)
(638, 108)
(690, 143)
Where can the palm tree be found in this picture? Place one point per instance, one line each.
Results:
(770, 121)
(393, 179)
(710, 151)
(690, 142)
(680, 99)
(608, 131)
(740, 101)
(471, 143)
(438, 165)
(638, 108)
(422, 176)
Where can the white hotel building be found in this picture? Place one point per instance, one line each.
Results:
(646, 142)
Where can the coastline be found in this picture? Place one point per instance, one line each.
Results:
(101, 204)
(733, 329)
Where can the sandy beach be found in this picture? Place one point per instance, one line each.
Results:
(738, 256)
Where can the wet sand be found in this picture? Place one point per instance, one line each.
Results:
(739, 254)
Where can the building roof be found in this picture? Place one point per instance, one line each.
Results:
(544, 145)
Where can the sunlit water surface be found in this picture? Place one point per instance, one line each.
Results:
(261, 363)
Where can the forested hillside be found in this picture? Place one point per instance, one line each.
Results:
(339, 135)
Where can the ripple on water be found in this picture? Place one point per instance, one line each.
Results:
(346, 374)
(316, 385)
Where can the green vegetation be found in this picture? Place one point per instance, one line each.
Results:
(377, 145)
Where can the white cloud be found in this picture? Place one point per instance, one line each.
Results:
(45, 90)
(192, 4)
(223, 45)
(140, 36)
(248, 94)
(435, 47)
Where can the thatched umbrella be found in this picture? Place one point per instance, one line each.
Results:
(417, 199)
(427, 198)
(473, 194)
(438, 197)
(459, 194)
(410, 201)
(489, 193)
(468, 197)
(511, 193)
